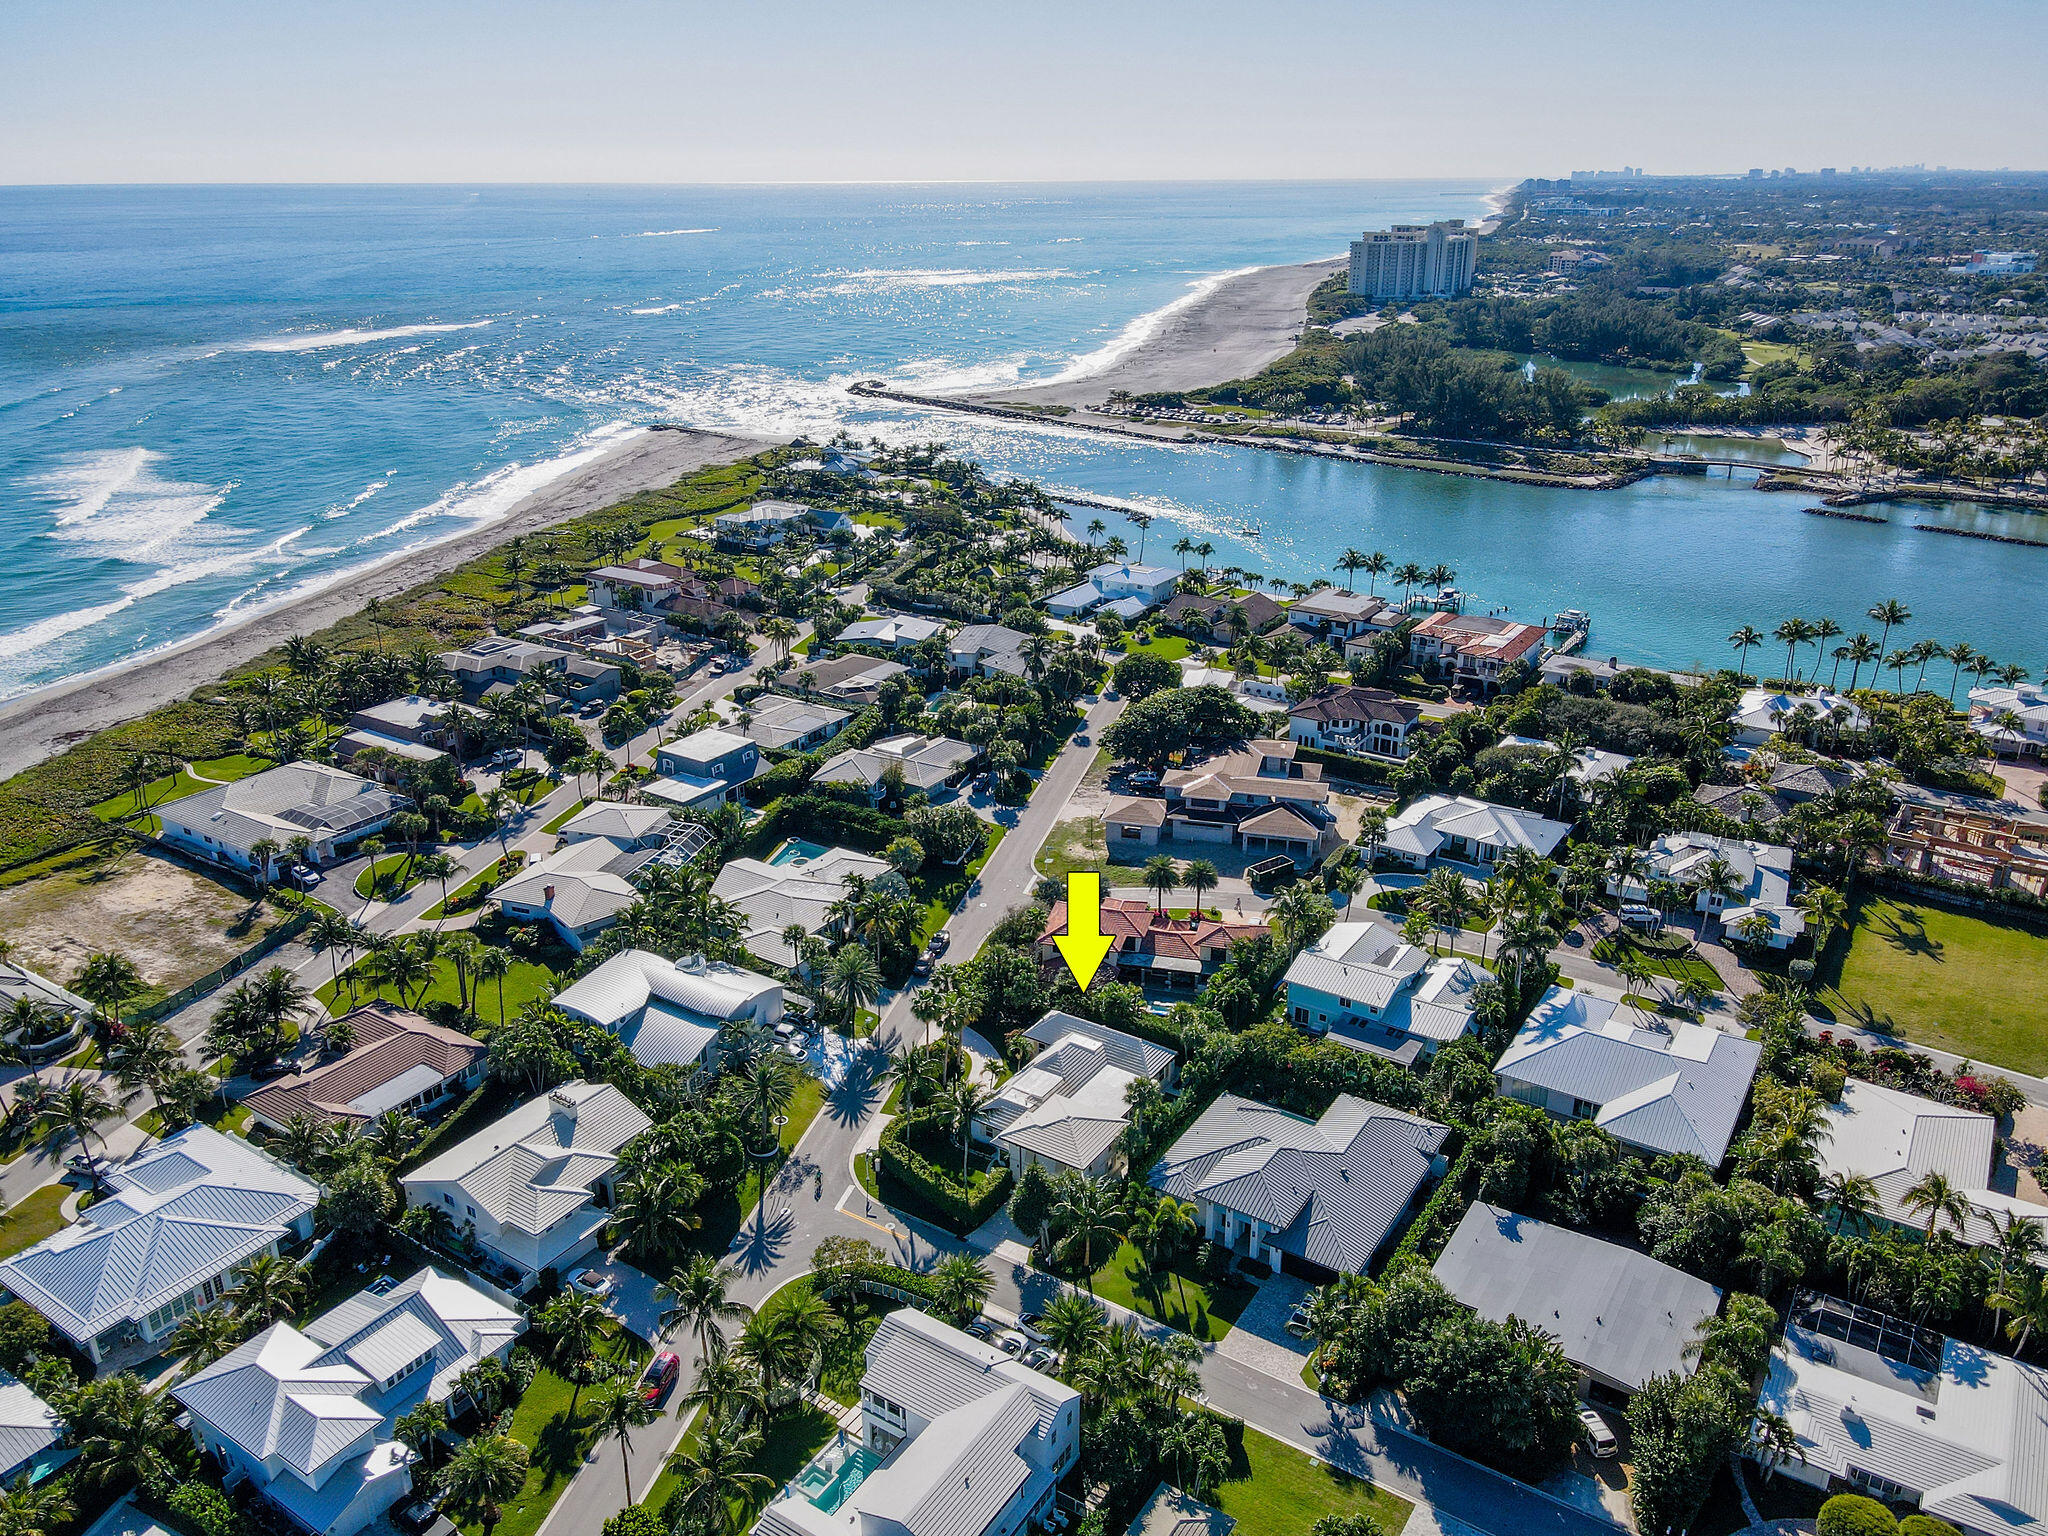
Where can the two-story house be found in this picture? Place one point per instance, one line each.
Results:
(703, 768)
(1362, 985)
(1368, 722)
(1116, 587)
(1473, 649)
(1152, 947)
(1257, 796)
(1470, 835)
(1341, 617)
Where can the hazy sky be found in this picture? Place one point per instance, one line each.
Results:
(754, 90)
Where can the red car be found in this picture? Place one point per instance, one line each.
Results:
(660, 1377)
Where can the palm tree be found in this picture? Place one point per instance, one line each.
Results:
(1351, 562)
(336, 935)
(107, 980)
(1825, 909)
(144, 1056)
(700, 1298)
(27, 1510)
(1448, 901)
(1090, 1213)
(1200, 877)
(1744, 640)
(1162, 876)
(962, 1103)
(1940, 1201)
(136, 1428)
(852, 980)
(75, 1109)
(270, 1287)
(657, 1208)
(2017, 1248)
(716, 1483)
(419, 1428)
(1074, 1325)
(494, 964)
(440, 868)
(1890, 613)
(573, 1324)
(621, 1409)
(1862, 650)
(2026, 1298)
(484, 1472)
(203, 1337)
(960, 1285)
(1792, 634)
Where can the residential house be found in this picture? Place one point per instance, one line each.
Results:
(64, 1012)
(932, 765)
(579, 890)
(1758, 802)
(1119, 587)
(773, 897)
(1066, 1106)
(1171, 1512)
(891, 632)
(334, 810)
(2023, 735)
(1152, 946)
(1897, 1139)
(410, 729)
(1368, 722)
(1996, 844)
(1656, 1088)
(400, 1062)
(702, 768)
(32, 1435)
(791, 725)
(761, 526)
(1590, 765)
(671, 1012)
(307, 1418)
(1364, 986)
(1472, 649)
(1257, 797)
(1207, 616)
(1761, 875)
(1762, 713)
(956, 1439)
(496, 662)
(1956, 1436)
(854, 680)
(1620, 1316)
(1470, 835)
(1314, 1198)
(1252, 689)
(178, 1222)
(1339, 617)
(1560, 667)
(643, 585)
(622, 824)
(980, 649)
(530, 1188)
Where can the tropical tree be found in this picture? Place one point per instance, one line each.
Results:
(657, 1208)
(572, 1325)
(1851, 1198)
(269, 1287)
(144, 1056)
(960, 1285)
(75, 1110)
(700, 1298)
(1890, 613)
(852, 981)
(203, 1337)
(620, 1409)
(1939, 1200)
(2026, 1298)
(29, 1510)
(1162, 877)
(419, 1429)
(715, 1481)
(1089, 1211)
(1199, 876)
(107, 979)
(484, 1472)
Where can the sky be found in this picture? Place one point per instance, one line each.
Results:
(904, 90)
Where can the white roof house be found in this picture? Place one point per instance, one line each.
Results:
(929, 763)
(1116, 583)
(1474, 833)
(1590, 765)
(1066, 1107)
(1657, 1089)
(702, 768)
(1968, 1442)
(1762, 713)
(893, 631)
(65, 1009)
(772, 897)
(987, 648)
(1365, 986)
(1761, 871)
(1896, 1139)
(308, 1415)
(578, 890)
(629, 826)
(957, 1439)
(526, 1181)
(31, 1434)
(181, 1219)
(223, 822)
(670, 1012)
(792, 724)
(760, 525)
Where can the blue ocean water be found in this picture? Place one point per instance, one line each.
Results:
(213, 398)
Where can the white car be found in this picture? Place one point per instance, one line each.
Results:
(593, 1282)
(1599, 1438)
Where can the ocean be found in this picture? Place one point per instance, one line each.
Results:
(214, 398)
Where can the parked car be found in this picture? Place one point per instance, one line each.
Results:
(982, 1329)
(305, 877)
(419, 1514)
(661, 1376)
(507, 757)
(1011, 1342)
(1297, 1322)
(1033, 1323)
(1636, 915)
(1599, 1438)
(1144, 778)
(921, 966)
(938, 944)
(593, 1282)
(78, 1162)
(270, 1071)
(1042, 1359)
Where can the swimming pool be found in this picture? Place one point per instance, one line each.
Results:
(795, 851)
(828, 1486)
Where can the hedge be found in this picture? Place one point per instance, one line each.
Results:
(962, 1211)
(1439, 1217)
(1361, 770)
(835, 1281)
(821, 819)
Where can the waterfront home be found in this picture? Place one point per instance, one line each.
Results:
(1340, 617)
(579, 890)
(1207, 616)
(854, 679)
(1937, 1425)
(671, 1012)
(1258, 797)
(530, 1187)
(307, 1418)
(623, 825)
(410, 729)
(772, 897)
(1067, 1106)
(64, 1013)
(178, 1222)
(1590, 765)
(1560, 668)
(934, 766)
(1313, 1198)
(1466, 834)
(400, 1062)
(1362, 985)
(1759, 875)
(890, 632)
(2012, 719)
(955, 1439)
(1473, 650)
(1122, 588)
(32, 1435)
(1152, 946)
(497, 662)
(1996, 844)
(641, 584)
(760, 526)
(980, 649)
(791, 725)
(1897, 1139)
(703, 768)
(1657, 1087)
(1366, 722)
(1620, 1316)
(332, 809)
(1762, 713)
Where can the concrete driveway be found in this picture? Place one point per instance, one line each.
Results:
(632, 1300)
(1259, 1338)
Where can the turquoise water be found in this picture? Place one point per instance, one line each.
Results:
(830, 1490)
(796, 851)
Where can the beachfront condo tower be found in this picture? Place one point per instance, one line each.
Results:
(1414, 261)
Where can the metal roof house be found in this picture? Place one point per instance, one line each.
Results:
(1316, 1198)
(307, 1416)
(182, 1219)
(527, 1184)
(1620, 1316)
(670, 1012)
(1657, 1089)
(1467, 834)
(400, 1061)
(1065, 1107)
(1364, 986)
(956, 1439)
(224, 822)
(579, 890)
(31, 1434)
(773, 897)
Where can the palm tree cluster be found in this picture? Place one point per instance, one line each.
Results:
(1860, 650)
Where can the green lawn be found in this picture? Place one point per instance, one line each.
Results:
(556, 1444)
(526, 980)
(472, 890)
(932, 883)
(1965, 983)
(1275, 1490)
(1172, 647)
(389, 878)
(1179, 1300)
(172, 786)
(239, 765)
(792, 1439)
(32, 1219)
(560, 821)
(1675, 965)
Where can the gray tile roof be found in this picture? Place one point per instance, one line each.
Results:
(1139, 1057)
(29, 1427)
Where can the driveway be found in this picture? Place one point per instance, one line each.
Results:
(1260, 1339)
(632, 1300)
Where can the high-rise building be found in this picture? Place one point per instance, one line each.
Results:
(1414, 261)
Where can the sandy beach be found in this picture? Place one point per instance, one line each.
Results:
(39, 724)
(1245, 322)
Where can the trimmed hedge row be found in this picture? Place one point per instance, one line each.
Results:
(1439, 1217)
(962, 1211)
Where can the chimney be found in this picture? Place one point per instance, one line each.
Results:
(562, 1106)
(547, 893)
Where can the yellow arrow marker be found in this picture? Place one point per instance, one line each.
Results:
(1084, 943)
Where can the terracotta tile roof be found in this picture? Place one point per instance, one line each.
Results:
(389, 1043)
(1139, 929)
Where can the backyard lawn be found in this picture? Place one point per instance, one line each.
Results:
(32, 1219)
(556, 1444)
(1965, 983)
(1275, 1490)
(528, 979)
(1179, 1300)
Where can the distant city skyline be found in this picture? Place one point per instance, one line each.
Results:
(639, 91)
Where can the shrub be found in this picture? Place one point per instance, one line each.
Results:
(1926, 1525)
(1851, 1514)
(635, 1520)
(961, 1209)
(205, 1510)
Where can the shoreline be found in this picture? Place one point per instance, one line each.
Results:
(38, 725)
